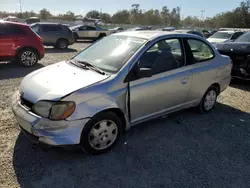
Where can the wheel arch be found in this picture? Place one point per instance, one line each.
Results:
(217, 86)
(120, 115)
(28, 47)
(102, 35)
(62, 39)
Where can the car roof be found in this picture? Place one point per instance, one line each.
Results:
(14, 23)
(147, 34)
(227, 31)
(48, 23)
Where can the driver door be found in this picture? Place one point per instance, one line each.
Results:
(167, 89)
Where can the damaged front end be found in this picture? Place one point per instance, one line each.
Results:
(240, 56)
(241, 66)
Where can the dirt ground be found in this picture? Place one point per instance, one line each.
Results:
(185, 149)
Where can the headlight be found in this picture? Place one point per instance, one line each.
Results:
(62, 110)
(42, 108)
(54, 110)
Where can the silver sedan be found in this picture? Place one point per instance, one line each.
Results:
(120, 81)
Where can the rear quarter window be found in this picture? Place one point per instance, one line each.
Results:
(51, 28)
(16, 30)
(200, 50)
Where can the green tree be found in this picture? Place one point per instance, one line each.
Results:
(105, 17)
(121, 17)
(136, 14)
(70, 16)
(152, 17)
(165, 14)
(93, 14)
(44, 14)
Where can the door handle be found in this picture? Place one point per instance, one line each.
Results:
(184, 80)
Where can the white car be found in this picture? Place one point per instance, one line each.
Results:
(120, 81)
(90, 32)
(224, 36)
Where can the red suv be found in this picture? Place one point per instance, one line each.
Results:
(18, 42)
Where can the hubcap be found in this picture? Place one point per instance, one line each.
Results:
(63, 44)
(103, 134)
(28, 58)
(210, 100)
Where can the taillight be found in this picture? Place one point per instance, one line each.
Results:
(39, 38)
(231, 61)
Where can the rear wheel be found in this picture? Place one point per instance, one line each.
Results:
(209, 99)
(101, 133)
(75, 36)
(101, 36)
(62, 44)
(27, 57)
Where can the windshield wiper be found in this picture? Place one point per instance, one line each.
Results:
(87, 65)
(79, 65)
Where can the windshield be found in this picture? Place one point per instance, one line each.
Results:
(244, 38)
(75, 27)
(221, 35)
(111, 53)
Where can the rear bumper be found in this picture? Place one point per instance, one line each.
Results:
(224, 83)
(41, 52)
(41, 56)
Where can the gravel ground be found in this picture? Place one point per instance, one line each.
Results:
(185, 149)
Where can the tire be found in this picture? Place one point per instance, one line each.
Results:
(99, 137)
(62, 44)
(209, 99)
(75, 36)
(27, 57)
(101, 36)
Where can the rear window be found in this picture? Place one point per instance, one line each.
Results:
(51, 28)
(221, 35)
(67, 29)
(35, 28)
(9, 29)
(16, 30)
(3, 29)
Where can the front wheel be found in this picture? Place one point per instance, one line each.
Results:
(101, 133)
(27, 57)
(209, 99)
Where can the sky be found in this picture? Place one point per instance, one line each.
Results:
(191, 7)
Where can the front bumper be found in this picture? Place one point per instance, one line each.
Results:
(240, 73)
(64, 132)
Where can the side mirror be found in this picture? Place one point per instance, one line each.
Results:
(145, 72)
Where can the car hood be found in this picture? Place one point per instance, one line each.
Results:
(55, 81)
(234, 47)
(215, 41)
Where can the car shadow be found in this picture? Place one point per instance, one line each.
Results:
(85, 41)
(183, 150)
(241, 84)
(53, 50)
(11, 70)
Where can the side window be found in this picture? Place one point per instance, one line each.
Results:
(200, 50)
(35, 28)
(89, 28)
(236, 35)
(165, 55)
(82, 28)
(51, 28)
